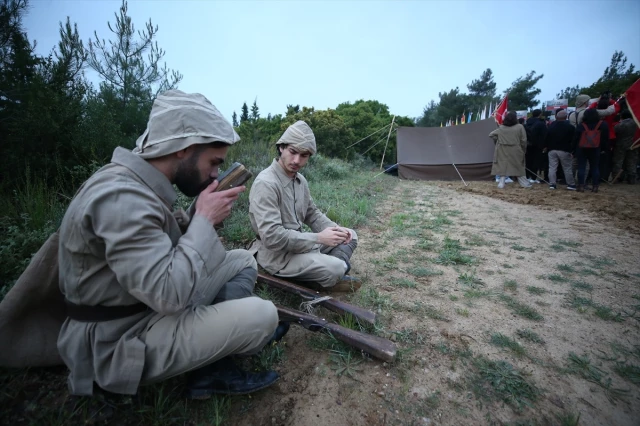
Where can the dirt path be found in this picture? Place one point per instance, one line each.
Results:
(509, 307)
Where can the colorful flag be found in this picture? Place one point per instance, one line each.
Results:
(501, 110)
(484, 113)
(633, 103)
(469, 117)
(441, 124)
(489, 112)
(456, 120)
(462, 118)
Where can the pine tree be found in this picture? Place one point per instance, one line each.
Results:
(235, 119)
(255, 111)
(244, 116)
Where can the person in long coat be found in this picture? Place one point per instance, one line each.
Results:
(511, 144)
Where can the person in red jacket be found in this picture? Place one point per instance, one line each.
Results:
(606, 152)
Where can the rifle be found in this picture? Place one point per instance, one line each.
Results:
(308, 294)
(377, 346)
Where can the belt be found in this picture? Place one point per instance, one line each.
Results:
(98, 313)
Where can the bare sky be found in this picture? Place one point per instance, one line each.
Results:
(401, 53)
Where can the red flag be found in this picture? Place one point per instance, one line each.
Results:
(633, 103)
(501, 110)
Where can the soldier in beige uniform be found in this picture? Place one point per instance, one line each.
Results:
(280, 203)
(152, 293)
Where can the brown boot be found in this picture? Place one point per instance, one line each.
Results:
(580, 188)
(346, 284)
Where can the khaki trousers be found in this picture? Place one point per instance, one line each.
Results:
(205, 333)
(316, 266)
(566, 160)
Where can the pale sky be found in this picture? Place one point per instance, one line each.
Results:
(401, 53)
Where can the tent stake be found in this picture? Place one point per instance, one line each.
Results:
(454, 166)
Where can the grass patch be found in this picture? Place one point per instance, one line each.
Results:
(557, 247)
(599, 262)
(568, 243)
(506, 265)
(557, 278)
(462, 312)
(476, 240)
(371, 297)
(411, 336)
(587, 271)
(502, 341)
(453, 298)
(438, 222)
(428, 311)
(628, 372)
(579, 285)
(470, 279)
(499, 381)
(420, 271)
(521, 309)
(403, 283)
(425, 244)
(510, 285)
(451, 254)
(565, 268)
(519, 247)
(607, 314)
(536, 290)
(529, 335)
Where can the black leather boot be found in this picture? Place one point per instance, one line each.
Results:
(281, 330)
(344, 253)
(224, 377)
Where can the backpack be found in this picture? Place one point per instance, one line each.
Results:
(590, 138)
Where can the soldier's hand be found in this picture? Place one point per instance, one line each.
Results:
(349, 237)
(332, 236)
(216, 206)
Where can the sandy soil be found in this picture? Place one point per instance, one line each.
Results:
(571, 258)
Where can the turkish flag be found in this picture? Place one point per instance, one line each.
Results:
(501, 110)
(633, 103)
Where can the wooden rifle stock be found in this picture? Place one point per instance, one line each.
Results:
(308, 294)
(376, 346)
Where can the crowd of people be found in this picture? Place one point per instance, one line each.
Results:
(589, 145)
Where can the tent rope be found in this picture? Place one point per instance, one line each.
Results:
(377, 131)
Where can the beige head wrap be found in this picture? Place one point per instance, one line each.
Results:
(300, 136)
(582, 100)
(179, 120)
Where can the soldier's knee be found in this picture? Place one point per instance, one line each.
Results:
(243, 258)
(263, 313)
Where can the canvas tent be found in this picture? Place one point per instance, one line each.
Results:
(428, 153)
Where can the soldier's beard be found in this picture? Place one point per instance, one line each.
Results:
(188, 178)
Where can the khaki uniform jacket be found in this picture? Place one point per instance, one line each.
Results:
(120, 244)
(511, 145)
(625, 131)
(278, 206)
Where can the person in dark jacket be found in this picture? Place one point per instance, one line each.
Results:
(560, 145)
(590, 121)
(537, 132)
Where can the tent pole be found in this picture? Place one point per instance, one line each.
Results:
(454, 166)
(385, 145)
